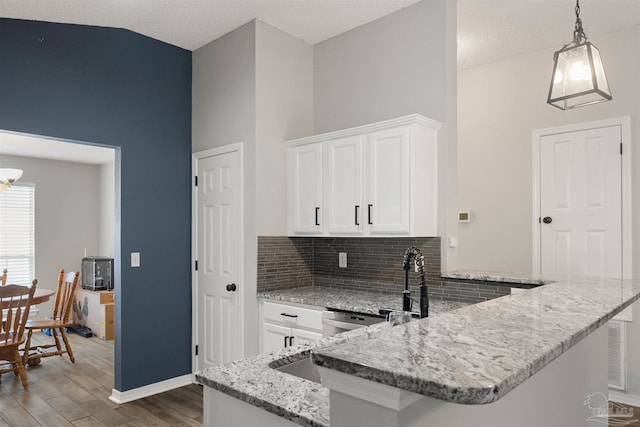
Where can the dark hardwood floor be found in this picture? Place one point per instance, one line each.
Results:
(65, 394)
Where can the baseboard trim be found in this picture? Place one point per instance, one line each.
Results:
(624, 397)
(121, 397)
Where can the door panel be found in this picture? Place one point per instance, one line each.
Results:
(343, 177)
(581, 202)
(388, 183)
(305, 189)
(218, 252)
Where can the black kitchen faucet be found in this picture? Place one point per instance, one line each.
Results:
(415, 254)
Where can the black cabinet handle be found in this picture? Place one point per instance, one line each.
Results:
(289, 315)
(291, 341)
(369, 214)
(285, 342)
(357, 207)
(317, 210)
(231, 287)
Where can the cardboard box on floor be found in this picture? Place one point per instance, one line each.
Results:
(94, 309)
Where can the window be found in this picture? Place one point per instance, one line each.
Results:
(17, 224)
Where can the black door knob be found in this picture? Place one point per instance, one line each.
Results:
(231, 287)
(547, 220)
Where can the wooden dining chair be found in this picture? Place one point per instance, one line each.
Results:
(15, 301)
(3, 278)
(58, 323)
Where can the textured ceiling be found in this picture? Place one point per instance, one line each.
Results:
(191, 24)
(488, 30)
(492, 30)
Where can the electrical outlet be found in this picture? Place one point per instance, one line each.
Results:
(342, 260)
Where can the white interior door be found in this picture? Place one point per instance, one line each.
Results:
(581, 203)
(218, 254)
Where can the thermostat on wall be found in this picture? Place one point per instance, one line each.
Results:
(464, 216)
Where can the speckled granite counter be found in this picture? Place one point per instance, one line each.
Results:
(304, 402)
(496, 276)
(357, 301)
(479, 353)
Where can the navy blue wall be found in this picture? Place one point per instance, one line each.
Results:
(118, 88)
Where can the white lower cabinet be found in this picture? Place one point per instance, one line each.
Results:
(285, 325)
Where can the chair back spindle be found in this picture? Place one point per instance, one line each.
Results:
(15, 302)
(57, 324)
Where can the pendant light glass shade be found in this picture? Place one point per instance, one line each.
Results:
(578, 77)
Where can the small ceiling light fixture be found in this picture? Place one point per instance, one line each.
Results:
(578, 77)
(8, 176)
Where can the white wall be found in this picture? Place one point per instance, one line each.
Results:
(67, 209)
(223, 94)
(388, 68)
(403, 63)
(499, 104)
(254, 85)
(284, 111)
(223, 112)
(106, 212)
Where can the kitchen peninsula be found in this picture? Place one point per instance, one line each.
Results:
(526, 359)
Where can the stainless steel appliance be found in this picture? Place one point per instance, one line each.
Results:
(337, 321)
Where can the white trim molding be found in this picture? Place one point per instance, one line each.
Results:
(121, 397)
(369, 128)
(625, 132)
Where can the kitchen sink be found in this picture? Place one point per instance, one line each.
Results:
(303, 368)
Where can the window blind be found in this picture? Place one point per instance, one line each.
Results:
(17, 224)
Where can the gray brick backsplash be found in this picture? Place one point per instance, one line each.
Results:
(373, 264)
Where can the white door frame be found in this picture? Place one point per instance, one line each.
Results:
(625, 131)
(195, 157)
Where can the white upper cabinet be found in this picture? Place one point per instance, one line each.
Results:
(343, 184)
(388, 181)
(375, 180)
(304, 182)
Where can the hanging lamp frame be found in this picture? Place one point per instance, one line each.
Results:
(600, 89)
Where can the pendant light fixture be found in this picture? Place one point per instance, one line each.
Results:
(578, 77)
(8, 176)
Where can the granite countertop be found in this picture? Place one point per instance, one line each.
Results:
(479, 353)
(496, 276)
(304, 402)
(356, 301)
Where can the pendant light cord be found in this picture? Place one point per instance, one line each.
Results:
(578, 33)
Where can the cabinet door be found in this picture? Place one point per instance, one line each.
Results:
(305, 189)
(388, 182)
(301, 336)
(343, 185)
(273, 336)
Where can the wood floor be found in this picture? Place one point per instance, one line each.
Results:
(63, 394)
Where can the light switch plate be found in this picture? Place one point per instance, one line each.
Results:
(135, 259)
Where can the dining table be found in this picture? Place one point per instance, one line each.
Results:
(40, 296)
